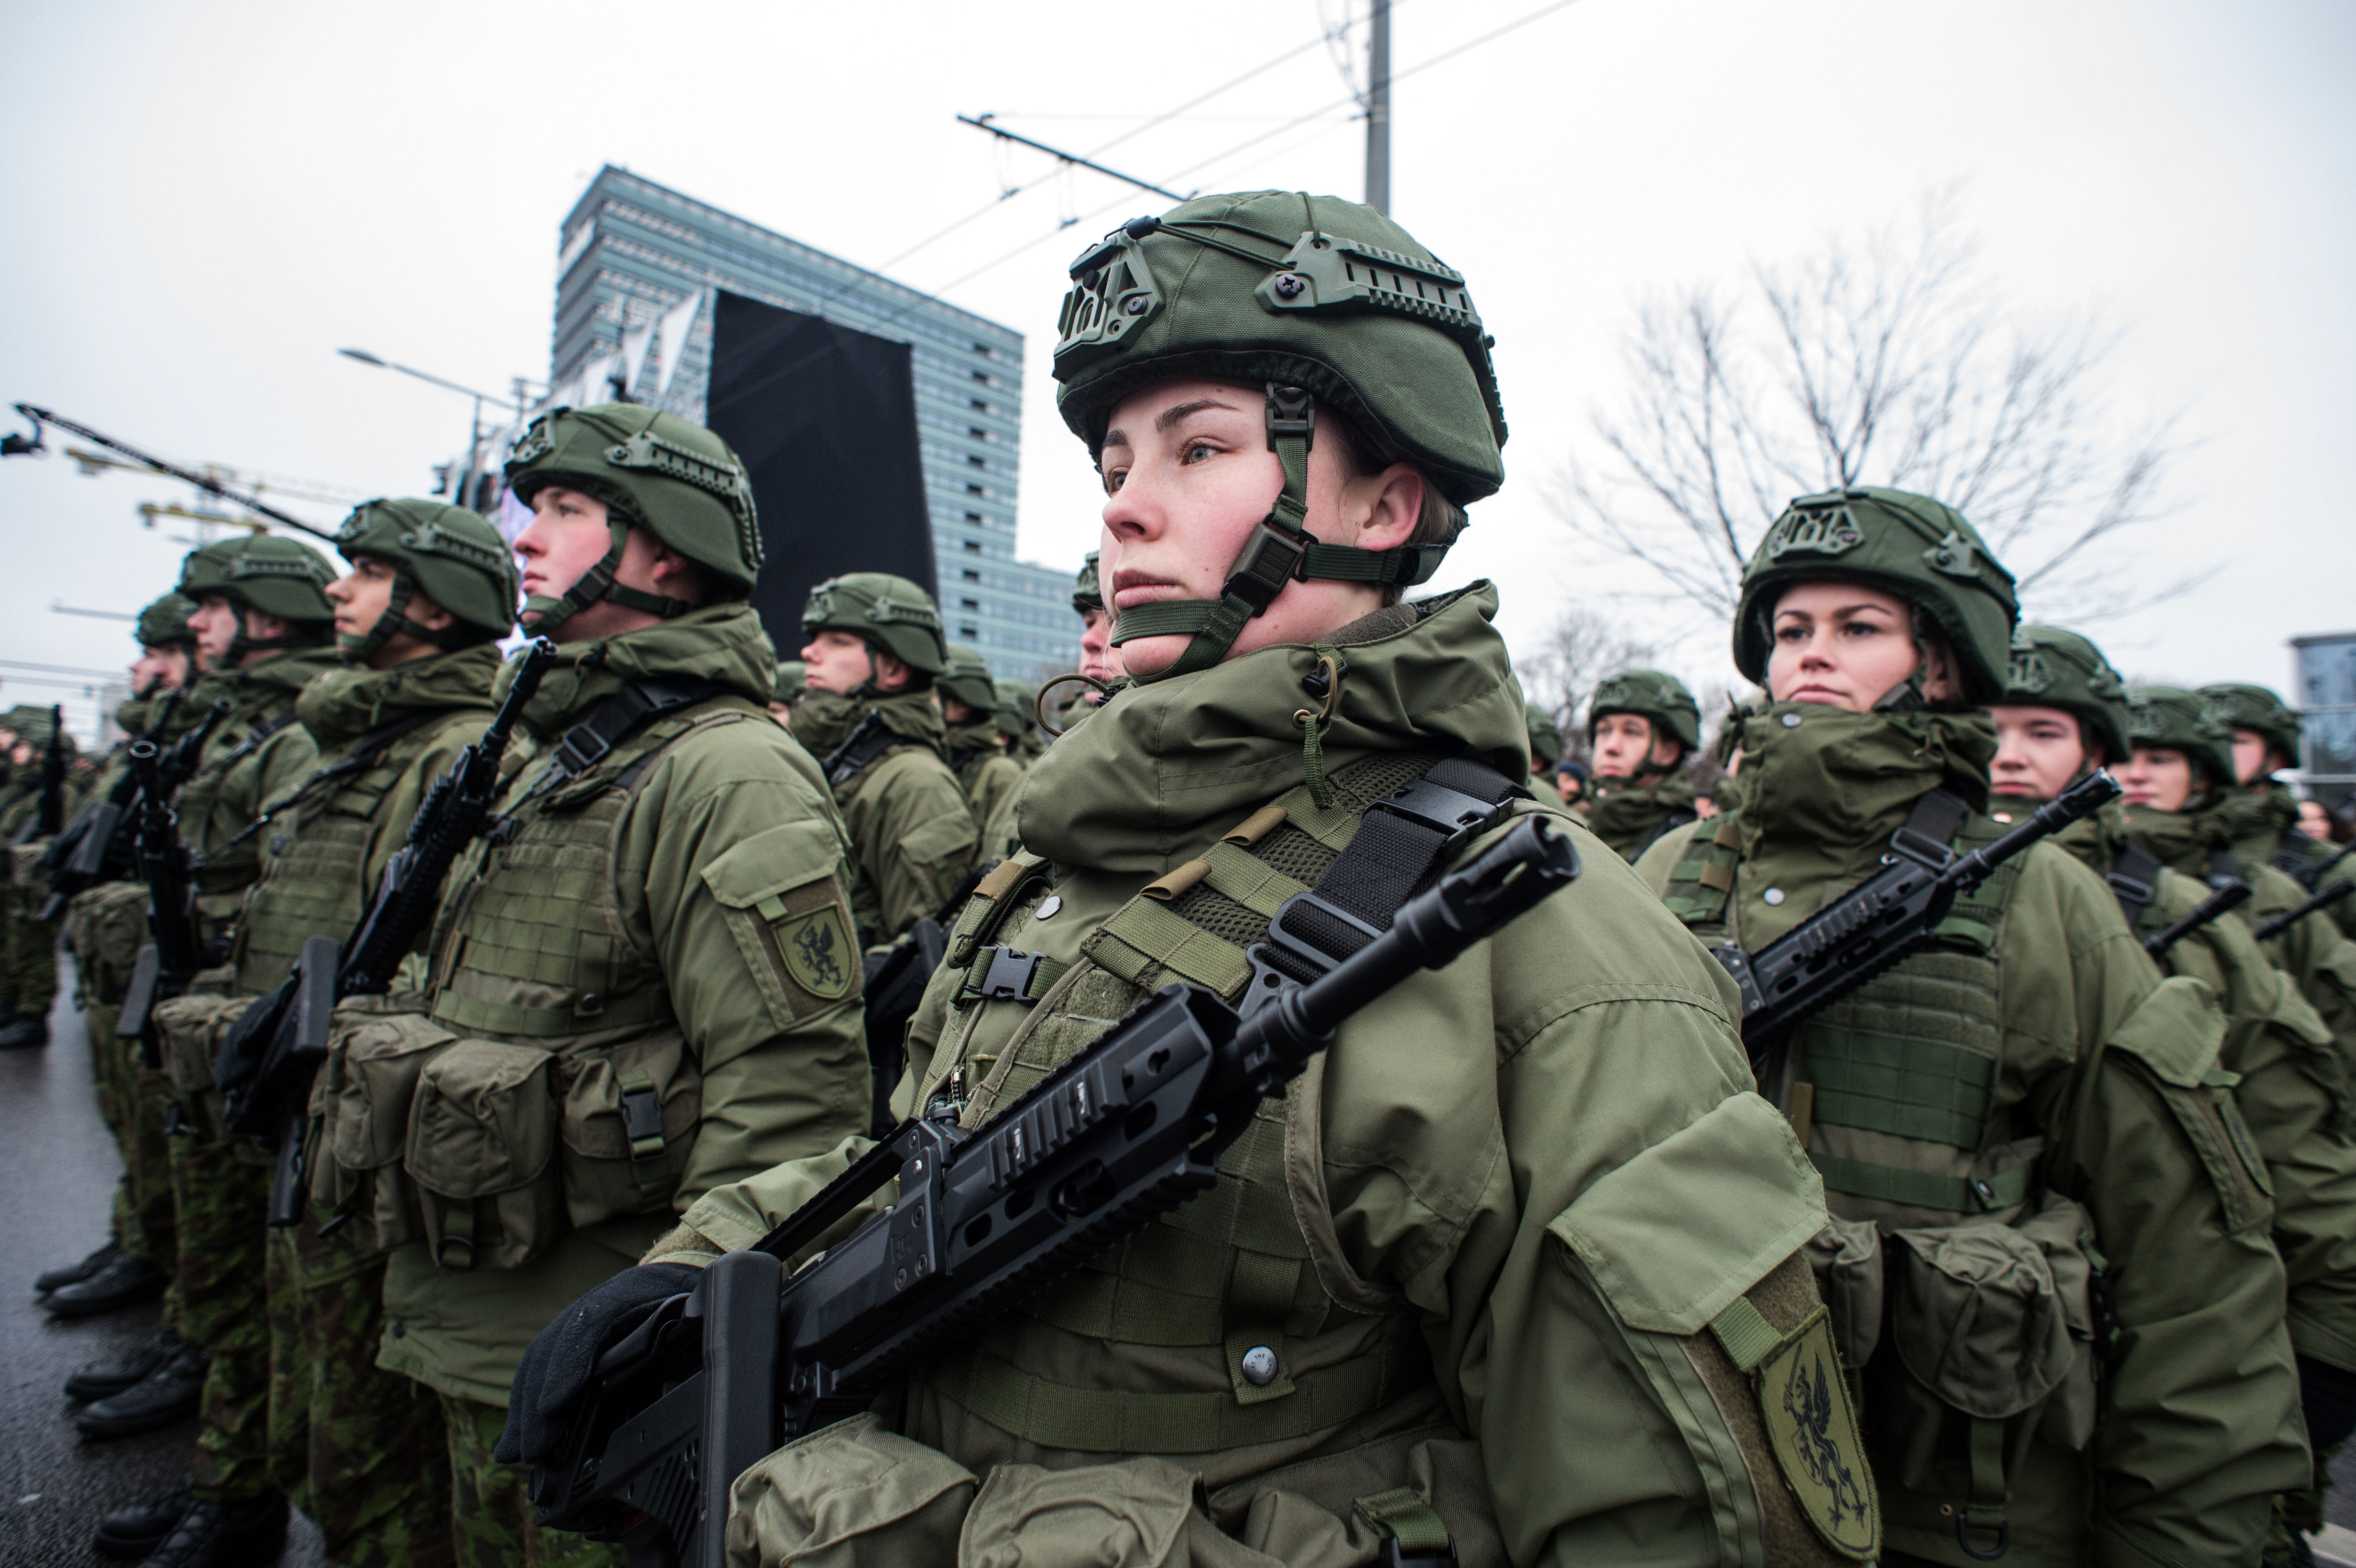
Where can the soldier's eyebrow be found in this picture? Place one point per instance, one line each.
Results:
(1169, 416)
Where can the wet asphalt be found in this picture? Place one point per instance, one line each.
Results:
(58, 1169)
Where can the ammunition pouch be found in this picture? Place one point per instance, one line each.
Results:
(189, 1029)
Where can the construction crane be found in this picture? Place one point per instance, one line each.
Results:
(216, 479)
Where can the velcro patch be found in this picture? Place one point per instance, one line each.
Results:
(818, 952)
(1814, 1432)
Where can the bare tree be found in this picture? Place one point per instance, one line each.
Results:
(1579, 649)
(1887, 360)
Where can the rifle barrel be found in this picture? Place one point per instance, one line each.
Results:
(2288, 918)
(2232, 895)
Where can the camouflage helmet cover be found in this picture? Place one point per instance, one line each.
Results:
(888, 611)
(1908, 546)
(968, 680)
(2054, 668)
(676, 480)
(2172, 719)
(2256, 707)
(279, 577)
(1546, 735)
(165, 623)
(1282, 287)
(452, 555)
(1087, 592)
(1650, 695)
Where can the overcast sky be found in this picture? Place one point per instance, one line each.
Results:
(205, 202)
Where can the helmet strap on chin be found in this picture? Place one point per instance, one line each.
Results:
(596, 583)
(359, 649)
(1280, 549)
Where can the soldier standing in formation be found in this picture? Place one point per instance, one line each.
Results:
(2266, 732)
(875, 652)
(1641, 728)
(976, 742)
(29, 944)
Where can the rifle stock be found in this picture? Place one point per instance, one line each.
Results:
(1882, 920)
(163, 861)
(2231, 896)
(1117, 1135)
(102, 848)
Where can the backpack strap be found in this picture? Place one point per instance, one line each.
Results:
(2134, 878)
(589, 743)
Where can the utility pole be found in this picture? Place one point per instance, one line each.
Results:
(1378, 106)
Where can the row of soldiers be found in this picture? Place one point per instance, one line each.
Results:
(2038, 1245)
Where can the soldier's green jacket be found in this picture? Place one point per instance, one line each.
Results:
(2262, 819)
(913, 836)
(1629, 815)
(988, 774)
(2295, 1093)
(717, 850)
(1542, 1167)
(327, 840)
(2199, 1421)
(256, 754)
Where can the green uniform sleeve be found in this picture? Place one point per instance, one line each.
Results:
(2320, 961)
(732, 862)
(915, 841)
(2200, 1419)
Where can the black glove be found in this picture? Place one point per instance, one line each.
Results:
(556, 1366)
(2329, 1395)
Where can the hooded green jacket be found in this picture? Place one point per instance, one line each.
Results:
(1628, 815)
(2262, 819)
(1548, 1154)
(723, 822)
(988, 774)
(912, 833)
(237, 775)
(2200, 1421)
(2295, 1091)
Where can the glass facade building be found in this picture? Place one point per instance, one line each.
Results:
(633, 256)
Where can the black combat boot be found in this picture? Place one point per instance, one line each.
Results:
(134, 1532)
(168, 1393)
(25, 1032)
(125, 1282)
(225, 1535)
(74, 1274)
(97, 1379)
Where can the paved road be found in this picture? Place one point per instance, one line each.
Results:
(58, 1168)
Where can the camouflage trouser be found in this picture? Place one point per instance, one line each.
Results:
(361, 1449)
(220, 1194)
(145, 1221)
(28, 946)
(490, 1514)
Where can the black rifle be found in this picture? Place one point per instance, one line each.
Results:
(2290, 917)
(50, 817)
(893, 984)
(274, 1050)
(2230, 895)
(164, 965)
(103, 852)
(1882, 920)
(1121, 1133)
(62, 848)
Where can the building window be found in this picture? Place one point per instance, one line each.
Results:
(979, 407)
(971, 575)
(968, 604)
(983, 377)
(973, 547)
(975, 490)
(972, 517)
(968, 633)
(976, 461)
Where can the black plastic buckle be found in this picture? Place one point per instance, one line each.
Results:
(1292, 411)
(1452, 814)
(642, 1115)
(1269, 979)
(2003, 1537)
(574, 755)
(2126, 887)
(1008, 978)
(1920, 848)
(1270, 559)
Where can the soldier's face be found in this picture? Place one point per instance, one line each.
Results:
(2038, 750)
(2252, 761)
(1188, 475)
(214, 625)
(838, 662)
(1098, 657)
(2160, 777)
(1624, 747)
(159, 669)
(1845, 645)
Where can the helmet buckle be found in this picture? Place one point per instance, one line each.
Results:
(1292, 411)
(1269, 562)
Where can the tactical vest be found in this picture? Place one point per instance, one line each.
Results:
(313, 887)
(1217, 1308)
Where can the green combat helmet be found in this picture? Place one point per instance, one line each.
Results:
(1546, 735)
(276, 576)
(1016, 703)
(164, 623)
(968, 680)
(1087, 594)
(2054, 668)
(1662, 700)
(2169, 717)
(891, 612)
(2259, 709)
(1922, 551)
(1316, 299)
(791, 681)
(451, 555)
(676, 480)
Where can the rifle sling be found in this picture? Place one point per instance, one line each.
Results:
(589, 743)
(866, 745)
(370, 747)
(2134, 878)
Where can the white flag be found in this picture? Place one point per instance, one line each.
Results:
(636, 341)
(677, 322)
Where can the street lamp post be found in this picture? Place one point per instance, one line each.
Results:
(475, 433)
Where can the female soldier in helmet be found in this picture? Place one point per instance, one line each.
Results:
(2019, 1129)
(1514, 1274)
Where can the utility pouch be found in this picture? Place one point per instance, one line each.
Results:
(106, 927)
(1846, 1257)
(378, 1047)
(189, 1028)
(482, 1154)
(1991, 1327)
(629, 1123)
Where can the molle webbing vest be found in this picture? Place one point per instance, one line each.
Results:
(314, 888)
(1221, 1290)
(531, 946)
(1912, 1054)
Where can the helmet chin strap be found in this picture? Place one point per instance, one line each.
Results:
(596, 583)
(1280, 549)
(360, 647)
